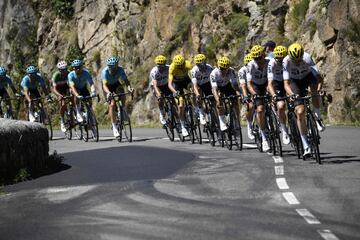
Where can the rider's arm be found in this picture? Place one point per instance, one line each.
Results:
(287, 87)
(214, 86)
(286, 77)
(171, 79)
(27, 96)
(194, 81)
(250, 83)
(270, 76)
(156, 88)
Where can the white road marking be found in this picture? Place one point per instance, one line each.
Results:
(282, 184)
(249, 145)
(309, 218)
(278, 159)
(327, 234)
(290, 198)
(279, 170)
(204, 157)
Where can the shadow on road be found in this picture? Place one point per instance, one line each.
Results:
(339, 159)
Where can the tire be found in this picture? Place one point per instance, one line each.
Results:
(67, 122)
(294, 135)
(258, 139)
(190, 123)
(227, 138)
(169, 126)
(314, 138)
(45, 119)
(236, 131)
(94, 130)
(126, 127)
(277, 145)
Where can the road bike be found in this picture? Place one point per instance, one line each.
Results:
(89, 126)
(42, 115)
(211, 128)
(123, 121)
(6, 108)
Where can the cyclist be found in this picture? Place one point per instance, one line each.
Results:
(5, 81)
(29, 87)
(159, 79)
(60, 88)
(111, 76)
(269, 48)
(201, 82)
(243, 83)
(178, 81)
(300, 72)
(276, 88)
(257, 83)
(78, 79)
(223, 79)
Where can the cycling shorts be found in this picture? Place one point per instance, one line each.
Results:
(181, 85)
(279, 88)
(63, 89)
(165, 90)
(261, 91)
(227, 90)
(300, 86)
(83, 91)
(206, 89)
(115, 88)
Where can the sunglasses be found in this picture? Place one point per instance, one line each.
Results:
(77, 68)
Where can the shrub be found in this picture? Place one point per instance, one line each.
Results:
(63, 8)
(237, 23)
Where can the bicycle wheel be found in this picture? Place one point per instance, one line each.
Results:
(208, 128)
(126, 127)
(197, 129)
(236, 131)
(189, 122)
(258, 138)
(67, 122)
(93, 125)
(276, 135)
(295, 135)
(169, 126)
(227, 138)
(313, 138)
(45, 119)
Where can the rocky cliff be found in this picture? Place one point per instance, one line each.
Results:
(45, 31)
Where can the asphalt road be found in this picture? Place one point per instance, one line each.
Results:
(156, 189)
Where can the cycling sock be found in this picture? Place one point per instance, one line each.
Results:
(222, 119)
(263, 135)
(304, 141)
(182, 124)
(283, 127)
(249, 124)
(113, 126)
(62, 119)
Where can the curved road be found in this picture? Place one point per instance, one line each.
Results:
(155, 189)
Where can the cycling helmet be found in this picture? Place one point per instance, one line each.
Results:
(223, 62)
(178, 60)
(200, 58)
(280, 52)
(295, 51)
(2, 71)
(62, 65)
(76, 63)
(31, 69)
(112, 61)
(248, 57)
(257, 51)
(270, 44)
(160, 60)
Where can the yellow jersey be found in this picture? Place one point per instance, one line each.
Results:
(179, 74)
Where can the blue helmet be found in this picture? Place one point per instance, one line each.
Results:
(76, 63)
(112, 61)
(31, 69)
(2, 71)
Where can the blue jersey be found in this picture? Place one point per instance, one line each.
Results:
(80, 82)
(5, 82)
(111, 79)
(28, 84)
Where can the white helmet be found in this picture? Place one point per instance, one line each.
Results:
(62, 65)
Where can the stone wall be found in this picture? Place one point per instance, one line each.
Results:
(22, 145)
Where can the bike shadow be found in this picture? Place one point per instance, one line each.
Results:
(338, 159)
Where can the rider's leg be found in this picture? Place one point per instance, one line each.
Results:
(260, 117)
(301, 123)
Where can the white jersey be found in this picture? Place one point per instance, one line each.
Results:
(242, 74)
(201, 76)
(220, 80)
(275, 70)
(160, 76)
(297, 71)
(256, 74)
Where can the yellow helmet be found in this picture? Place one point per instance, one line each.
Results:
(178, 60)
(248, 57)
(160, 60)
(223, 62)
(257, 51)
(200, 58)
(295, 51)
(280, 52)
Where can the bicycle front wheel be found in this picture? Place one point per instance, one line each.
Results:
(236, 131)
(45, 119)
(126, 127)
(314, 138)
(67, 122)
(276, 135)
(94, 126)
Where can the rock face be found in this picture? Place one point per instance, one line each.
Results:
(138, 30)
(23, 145)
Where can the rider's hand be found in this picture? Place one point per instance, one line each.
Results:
(246, 99)
(176, 94)
(275, 98)
(294, 97)
(60, 97)
(130, 89)
(80, 97)
(109, 96)
(93, 94)
(255, 96)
